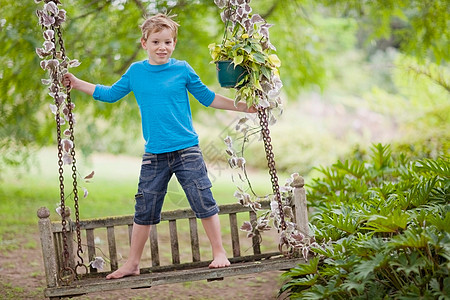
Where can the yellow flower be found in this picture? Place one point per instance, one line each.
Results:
(245, 36)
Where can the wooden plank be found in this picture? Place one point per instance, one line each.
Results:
(202, 264)
(154, 245)
(195, 244)
(59, 249)
(174, 242)
(70, 246)
(234, 235)
(57, 239)
(112, 248)
(91, 248)
(199, 264)
(256, 240)
(165, 216)
(153, 279)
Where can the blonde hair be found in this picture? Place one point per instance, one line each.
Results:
(158, 23)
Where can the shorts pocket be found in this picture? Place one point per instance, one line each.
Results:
(203, 199)
(140, 205)
(203, 183)
(149, 166)
(192, 159)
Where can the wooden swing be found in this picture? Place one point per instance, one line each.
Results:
(66, 273)
(158, 273)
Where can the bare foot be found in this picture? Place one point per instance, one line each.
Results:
(124, 271)
(220, 261)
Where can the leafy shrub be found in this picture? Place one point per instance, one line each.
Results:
(385, 226)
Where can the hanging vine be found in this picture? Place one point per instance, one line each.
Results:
(247, 44)
(56, 63)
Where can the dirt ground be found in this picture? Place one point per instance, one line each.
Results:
(22, 277)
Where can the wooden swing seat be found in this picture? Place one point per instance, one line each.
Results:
(159, 273)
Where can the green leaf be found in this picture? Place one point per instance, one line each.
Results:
(346, 223)
(367, 268)
(351, 286)
(257, 47)
(422, 192)
(381, 156)
(247, 48)
(441, 223)
(398, 219)
(259, 58)
(409, 263)
(304, 282)
(266, 72)
(304, 269)
(355, 168)
(413, 238)
(238, 59)
(440, 167)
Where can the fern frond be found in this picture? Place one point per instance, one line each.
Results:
(355, 168)
(304, 269)
(343, 222)
(411, 238)
(441, 222)
(420, 194)
(366, 268)
(438, 167)
(381, 156)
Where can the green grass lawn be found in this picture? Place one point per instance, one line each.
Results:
(111, 191)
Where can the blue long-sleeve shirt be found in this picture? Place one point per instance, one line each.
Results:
(161, 92)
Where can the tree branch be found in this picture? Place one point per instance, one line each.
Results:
(98, 9)
(142, 8)
(128, 62)
(271, 10)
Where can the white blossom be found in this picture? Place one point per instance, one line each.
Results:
(66, 145)
(49, 34)
(98, 263)
(51, 7)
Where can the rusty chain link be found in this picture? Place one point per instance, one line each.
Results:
(60, 166)
(67, 274)
(72, 153)
(263, 121)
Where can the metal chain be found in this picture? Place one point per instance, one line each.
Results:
(67, 274)
(60, 164)
(263, 121)
(72, 153)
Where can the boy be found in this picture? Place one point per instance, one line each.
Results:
(160, 85)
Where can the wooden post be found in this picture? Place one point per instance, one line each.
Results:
(154, 245)
(195, 244)
(255, 239)
(90, 238)
(234, 235)
(48, 247)
(174, 242)
(112, 248)
(299, 205)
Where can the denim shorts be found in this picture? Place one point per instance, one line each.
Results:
(157, 169)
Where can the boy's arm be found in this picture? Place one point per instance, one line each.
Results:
(78, 84)
(222, 102)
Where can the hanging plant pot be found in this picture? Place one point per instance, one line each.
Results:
(228, 74)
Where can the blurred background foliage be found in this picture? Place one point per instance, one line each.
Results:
(354, 72)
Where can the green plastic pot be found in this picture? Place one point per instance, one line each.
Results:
(229, 75)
